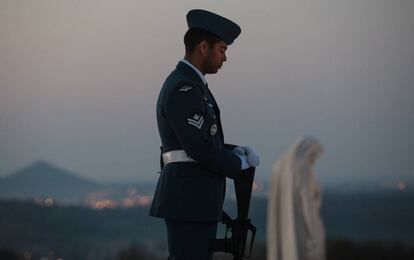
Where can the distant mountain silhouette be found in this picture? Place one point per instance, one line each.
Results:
(42, 179)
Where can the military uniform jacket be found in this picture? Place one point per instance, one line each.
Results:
(188, 119)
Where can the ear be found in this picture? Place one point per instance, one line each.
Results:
(203, 46)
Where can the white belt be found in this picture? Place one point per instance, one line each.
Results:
(176, 156)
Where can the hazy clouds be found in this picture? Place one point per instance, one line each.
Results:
(79, 82)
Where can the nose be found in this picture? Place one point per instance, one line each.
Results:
(224, 58)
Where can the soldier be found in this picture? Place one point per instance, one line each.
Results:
(195, 161)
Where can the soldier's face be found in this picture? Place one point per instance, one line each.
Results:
(215, 57)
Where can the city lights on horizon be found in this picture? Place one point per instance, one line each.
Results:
(105, 199)
(102, 200)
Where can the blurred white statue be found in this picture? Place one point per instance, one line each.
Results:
(294, 227)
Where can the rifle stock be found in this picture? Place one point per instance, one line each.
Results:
(237, 230)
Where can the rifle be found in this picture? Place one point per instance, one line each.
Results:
(238, 228)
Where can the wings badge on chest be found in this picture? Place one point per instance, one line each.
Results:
(185, 88)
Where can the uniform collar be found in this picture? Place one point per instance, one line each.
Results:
(195, 69)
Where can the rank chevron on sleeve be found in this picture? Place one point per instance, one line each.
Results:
(196, 121)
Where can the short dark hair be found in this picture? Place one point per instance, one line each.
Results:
(194, 36)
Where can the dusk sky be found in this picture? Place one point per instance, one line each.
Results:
(79, 82)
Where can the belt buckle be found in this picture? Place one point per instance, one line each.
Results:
(166, 157)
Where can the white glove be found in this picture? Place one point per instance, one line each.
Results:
(239, 150)
(244, 163)
(251, 155)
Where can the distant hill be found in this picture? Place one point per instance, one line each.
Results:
(46, 183)
(42, 179)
